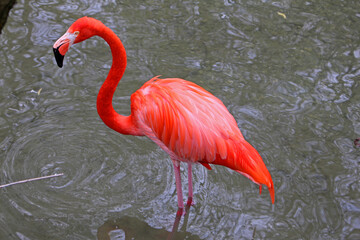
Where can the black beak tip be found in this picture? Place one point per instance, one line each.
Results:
(59, 58)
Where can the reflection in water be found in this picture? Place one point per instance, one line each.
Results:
(179, 214)
(134, 228)
(5, 6)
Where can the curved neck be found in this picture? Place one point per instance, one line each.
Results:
(117, 122)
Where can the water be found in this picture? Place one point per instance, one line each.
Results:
(291, 83)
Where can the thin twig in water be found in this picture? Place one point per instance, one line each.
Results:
(253, 236)
(31, 179)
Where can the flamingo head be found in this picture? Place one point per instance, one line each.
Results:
(80, 30)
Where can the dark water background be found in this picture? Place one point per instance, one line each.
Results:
(291, 83)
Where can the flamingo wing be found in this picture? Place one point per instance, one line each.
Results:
(184, 119)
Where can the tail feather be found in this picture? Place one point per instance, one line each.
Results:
(247, 161)
(272, 193)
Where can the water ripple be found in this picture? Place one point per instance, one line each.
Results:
(290, 83)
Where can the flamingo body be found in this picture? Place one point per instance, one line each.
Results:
(185, 120)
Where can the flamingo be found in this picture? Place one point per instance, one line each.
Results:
(182, 118)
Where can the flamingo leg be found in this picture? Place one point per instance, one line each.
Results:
(178, 184)
(190, 194)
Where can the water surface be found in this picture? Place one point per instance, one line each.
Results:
(291, 80)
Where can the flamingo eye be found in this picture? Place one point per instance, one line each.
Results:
(76, 33)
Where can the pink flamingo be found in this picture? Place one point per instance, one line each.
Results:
(186, 121)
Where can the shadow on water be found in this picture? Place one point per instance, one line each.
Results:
(134, 228)
(5, 7)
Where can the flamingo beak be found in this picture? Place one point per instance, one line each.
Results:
(59, 58)
(62, 45)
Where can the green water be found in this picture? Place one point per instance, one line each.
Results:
(291, 83)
